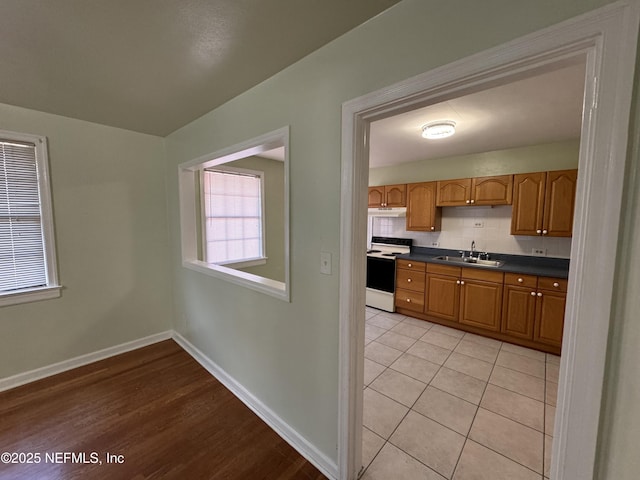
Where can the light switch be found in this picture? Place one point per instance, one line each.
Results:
(325, 263)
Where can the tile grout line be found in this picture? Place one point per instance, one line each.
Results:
(466, 438)
(486, 383)
(412, 410)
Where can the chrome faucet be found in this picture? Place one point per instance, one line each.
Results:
(473, 248)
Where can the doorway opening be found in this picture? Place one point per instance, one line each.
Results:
(481, 401)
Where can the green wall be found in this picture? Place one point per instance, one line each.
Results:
(537, 158)
(286, 354)
(109, 209)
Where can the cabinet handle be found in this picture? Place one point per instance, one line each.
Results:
(458, 282)
(544, 232)
(433, 228)
(520, 280)
(539, 294)
(533, 294)
(468, 201)
(538, 231)
(462, 282)
(408, 280)
(409, 265)
(408, 300)
(473, 201)
(556, 284)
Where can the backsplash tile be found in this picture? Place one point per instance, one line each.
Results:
(458, 231)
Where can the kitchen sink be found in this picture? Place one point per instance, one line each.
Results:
(471, 261)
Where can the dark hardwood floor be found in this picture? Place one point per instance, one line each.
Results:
(157, 408)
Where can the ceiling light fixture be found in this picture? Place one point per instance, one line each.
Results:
(440, 129)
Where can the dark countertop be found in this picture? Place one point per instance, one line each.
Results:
(524, 264)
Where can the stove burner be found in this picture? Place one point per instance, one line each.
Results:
(374, 251)
(389, 254)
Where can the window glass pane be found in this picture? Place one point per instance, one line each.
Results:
(22, 255)
(233, 216)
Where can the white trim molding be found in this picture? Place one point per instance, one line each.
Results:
(607, 39)
(53, 288)
(189, 218)
(323, 463)
(29, 295)
(43, 372)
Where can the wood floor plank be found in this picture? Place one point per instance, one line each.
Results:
(158, 408)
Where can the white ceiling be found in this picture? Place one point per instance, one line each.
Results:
(540, 109)
(154, 65)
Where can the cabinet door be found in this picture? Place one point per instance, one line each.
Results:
(410, 300)
(481, 304)
(452, 193)
(528, 203)
(518, 311)
(395, 195)
(442, 297)
(376, 196)
(549, 321)
(496, 190)
(422, 214)
(559, 203)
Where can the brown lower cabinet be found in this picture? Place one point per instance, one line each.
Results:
(410, 285)
(481, 299)
(549, 321)
(442, 292)
(522, 309)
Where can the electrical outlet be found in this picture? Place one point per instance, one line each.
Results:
(540, 252)
(478, 224)
(435, 244)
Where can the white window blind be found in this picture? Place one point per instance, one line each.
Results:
(233, 216)
(22, 252)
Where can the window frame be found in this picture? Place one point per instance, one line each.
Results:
(240, 263)
(188, 179)
(52, 288)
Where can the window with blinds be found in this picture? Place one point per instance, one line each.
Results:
(24, 264)
(233, 215)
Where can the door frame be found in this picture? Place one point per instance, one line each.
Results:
(607, 37)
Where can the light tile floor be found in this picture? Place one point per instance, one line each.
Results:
(443, 404)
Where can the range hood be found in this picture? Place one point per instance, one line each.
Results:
(388, 212)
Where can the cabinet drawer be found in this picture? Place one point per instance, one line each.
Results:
(411, 265)
(483, 275)
(529, 281)
(553, 284)
(410, 280)
(443, 269)
(410, 300)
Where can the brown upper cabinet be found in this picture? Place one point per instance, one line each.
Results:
(422, 213)
(496, 190)
(388, 196)
(543, 203)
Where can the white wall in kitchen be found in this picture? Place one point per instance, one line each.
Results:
(458, 231)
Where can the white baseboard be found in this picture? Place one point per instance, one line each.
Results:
(323, 463)
(39, 373)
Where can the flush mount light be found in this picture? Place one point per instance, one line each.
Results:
(440, 129)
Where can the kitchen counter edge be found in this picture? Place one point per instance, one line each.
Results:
(522, 264)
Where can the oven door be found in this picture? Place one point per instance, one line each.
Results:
(381, 274)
